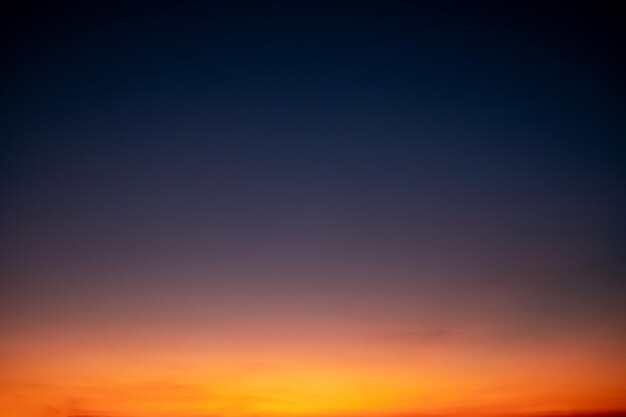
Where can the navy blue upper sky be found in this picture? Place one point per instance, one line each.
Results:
(478, 138)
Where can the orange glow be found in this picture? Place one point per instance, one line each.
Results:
(296, 377)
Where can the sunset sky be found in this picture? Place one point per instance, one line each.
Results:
(310, 209)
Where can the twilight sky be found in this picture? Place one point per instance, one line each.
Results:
(285, 210)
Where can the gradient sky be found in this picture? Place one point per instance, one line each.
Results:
(372, 209)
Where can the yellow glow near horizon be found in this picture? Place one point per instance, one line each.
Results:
(324, 383)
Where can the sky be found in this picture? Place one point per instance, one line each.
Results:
(312, 209)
